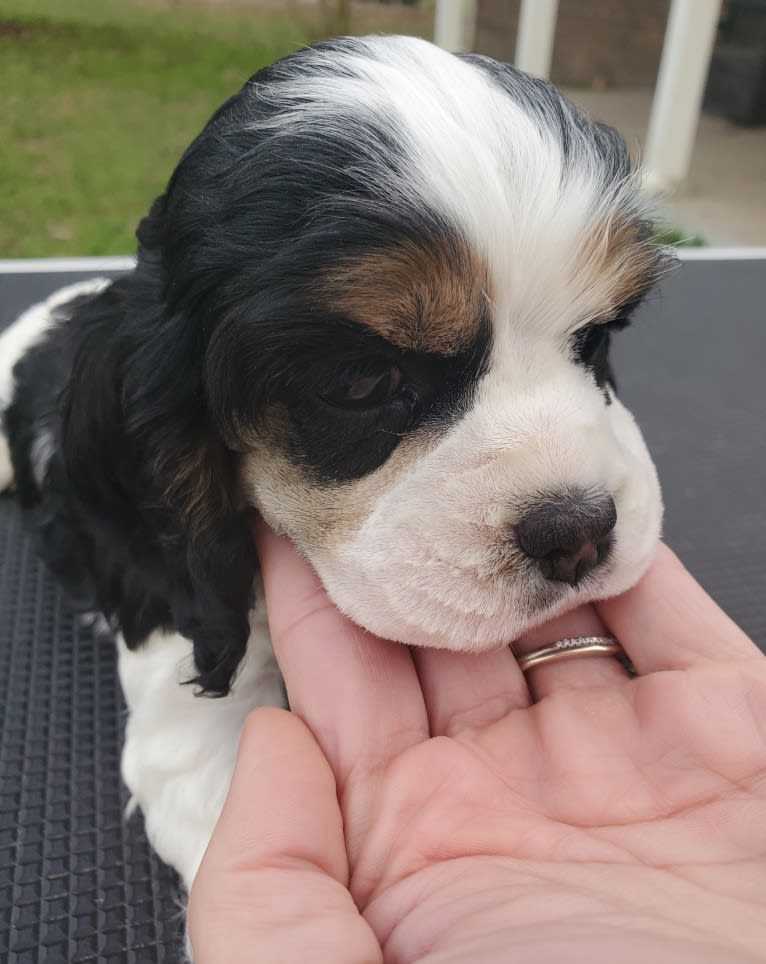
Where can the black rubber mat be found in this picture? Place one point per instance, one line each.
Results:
(77, 882)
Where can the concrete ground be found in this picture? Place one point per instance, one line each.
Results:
(724, 199)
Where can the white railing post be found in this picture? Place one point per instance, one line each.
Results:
(455, 25)
(686, 54)
(534, 41)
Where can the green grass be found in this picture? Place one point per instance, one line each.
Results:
(667, 234)
(98, 99)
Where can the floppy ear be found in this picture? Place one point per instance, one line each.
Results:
(156, 485)
(142, 450)
(215, 556)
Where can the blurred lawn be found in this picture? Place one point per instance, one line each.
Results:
(100, 97)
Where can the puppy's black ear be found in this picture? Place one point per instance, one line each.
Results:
(156, 486)
(142, 448)
(214, 555)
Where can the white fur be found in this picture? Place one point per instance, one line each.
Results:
(43, 448)
(27, 331)
(30, 327)
(179, 747)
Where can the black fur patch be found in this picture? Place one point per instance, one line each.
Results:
(153, 386)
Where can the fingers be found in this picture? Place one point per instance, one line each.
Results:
(668, 621)
(279, 767)
(577, 671)
(468, 690)
(359, 695)
(272, 884)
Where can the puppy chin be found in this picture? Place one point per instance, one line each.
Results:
(475, 621)
(463, 614)
(415, 622)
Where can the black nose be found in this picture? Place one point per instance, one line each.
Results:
(568, 535)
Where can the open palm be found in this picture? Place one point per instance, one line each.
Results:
(444, 808)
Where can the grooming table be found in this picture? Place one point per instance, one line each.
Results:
(78, 882)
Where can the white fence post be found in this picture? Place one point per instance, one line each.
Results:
(686, 54)
(455, 25)
(534, 41)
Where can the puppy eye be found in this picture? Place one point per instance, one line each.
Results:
(357, 390)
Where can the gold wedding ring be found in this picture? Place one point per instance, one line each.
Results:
(569, 649)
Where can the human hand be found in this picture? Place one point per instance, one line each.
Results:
(432, 806)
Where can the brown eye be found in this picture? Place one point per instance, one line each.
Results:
(355, 390)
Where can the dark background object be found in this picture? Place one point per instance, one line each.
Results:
(736, 85)
(598, 43)
(78, 883)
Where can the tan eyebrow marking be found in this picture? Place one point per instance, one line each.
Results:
(429, 298)
(622, 250)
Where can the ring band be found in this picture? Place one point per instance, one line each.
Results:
(568, 649)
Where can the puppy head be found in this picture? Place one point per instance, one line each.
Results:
(401, 270)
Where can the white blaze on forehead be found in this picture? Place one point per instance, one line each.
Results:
(492, 166)
(540, 221)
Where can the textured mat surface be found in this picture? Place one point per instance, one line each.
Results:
(78, 883)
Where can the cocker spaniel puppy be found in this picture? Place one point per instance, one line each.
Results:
(374, 304)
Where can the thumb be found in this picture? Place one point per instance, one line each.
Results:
(272, 883)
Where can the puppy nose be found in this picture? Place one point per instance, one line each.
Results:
(568, 536)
